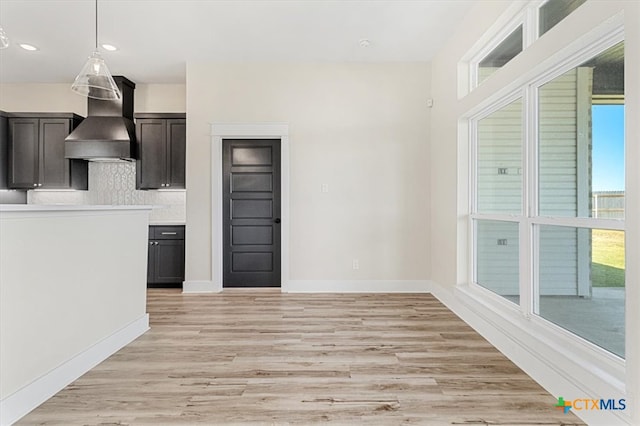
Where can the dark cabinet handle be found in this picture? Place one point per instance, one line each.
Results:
(277, 220)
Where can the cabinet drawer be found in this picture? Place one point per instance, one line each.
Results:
(166, 232)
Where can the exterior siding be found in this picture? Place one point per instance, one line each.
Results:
(497, 265)
(499, 180)
(564, 166)
(500, 161)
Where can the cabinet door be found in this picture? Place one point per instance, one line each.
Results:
(152, 163)
(176, 149)
(151, 262)
(169, 266)
(23, 152)
(4, 152)
(54, 168)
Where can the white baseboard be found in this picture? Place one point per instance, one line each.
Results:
(201, 287)
(357, 286)
(20, 403)
(561, 363)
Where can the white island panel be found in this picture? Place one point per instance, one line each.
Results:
(72, 292)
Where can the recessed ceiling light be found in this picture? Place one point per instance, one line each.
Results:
(109, 47)
(29, 47)
(364, 42)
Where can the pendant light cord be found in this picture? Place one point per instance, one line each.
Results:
(96, 25)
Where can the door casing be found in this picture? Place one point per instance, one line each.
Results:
(220, 131)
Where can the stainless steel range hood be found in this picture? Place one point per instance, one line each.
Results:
(108, 132)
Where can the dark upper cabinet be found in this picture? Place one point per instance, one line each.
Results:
(166, 256)
(151, 138)
(176, 147)
(161, 140)
(36, 152)
(4, 150)
(23, 153)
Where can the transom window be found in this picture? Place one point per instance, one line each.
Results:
(503, 53)
(531, 21)
(554, 11)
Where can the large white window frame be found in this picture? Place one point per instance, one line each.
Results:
(529, 220)
(518, 94)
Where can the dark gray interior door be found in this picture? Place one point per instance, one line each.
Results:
(251, 211)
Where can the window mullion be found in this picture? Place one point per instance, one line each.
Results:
(529, 182)
(534, 232)
(581, 222)
(530, 33)
(533, 285)
(473, 188)
(497, 216)
(532, 152)
(473, 166)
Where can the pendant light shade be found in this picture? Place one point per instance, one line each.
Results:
(4, 39)
(95, 80)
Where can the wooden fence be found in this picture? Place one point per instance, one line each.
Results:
(607, 204)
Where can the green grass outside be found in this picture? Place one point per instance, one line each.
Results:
(607, 267)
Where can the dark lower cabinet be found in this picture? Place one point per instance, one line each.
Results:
(166, 256)
(36, 152)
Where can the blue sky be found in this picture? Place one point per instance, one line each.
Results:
(608, 147)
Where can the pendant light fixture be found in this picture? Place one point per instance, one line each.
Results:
(95, 80)
(4, 39)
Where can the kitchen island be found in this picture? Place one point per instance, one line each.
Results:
(72, 292)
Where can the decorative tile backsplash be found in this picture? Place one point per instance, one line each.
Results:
(115, 184)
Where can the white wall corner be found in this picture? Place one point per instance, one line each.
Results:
(357, 286)
(201, 287)
(20, 403)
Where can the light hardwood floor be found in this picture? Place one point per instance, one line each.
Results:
(264, 357)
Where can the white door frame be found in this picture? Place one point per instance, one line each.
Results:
(220, 131)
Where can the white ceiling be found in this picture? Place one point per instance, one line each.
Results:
(156, 38)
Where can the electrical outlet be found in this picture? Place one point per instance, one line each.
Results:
(502, 242)
(324, 188)
(503, 171)
(356, 264)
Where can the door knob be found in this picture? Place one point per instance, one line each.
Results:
(277, 220)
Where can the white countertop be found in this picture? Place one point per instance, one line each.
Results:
(68, 207)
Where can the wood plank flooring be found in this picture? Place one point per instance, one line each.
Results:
(251, 356)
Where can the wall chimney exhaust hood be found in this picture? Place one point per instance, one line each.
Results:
(108, 132)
